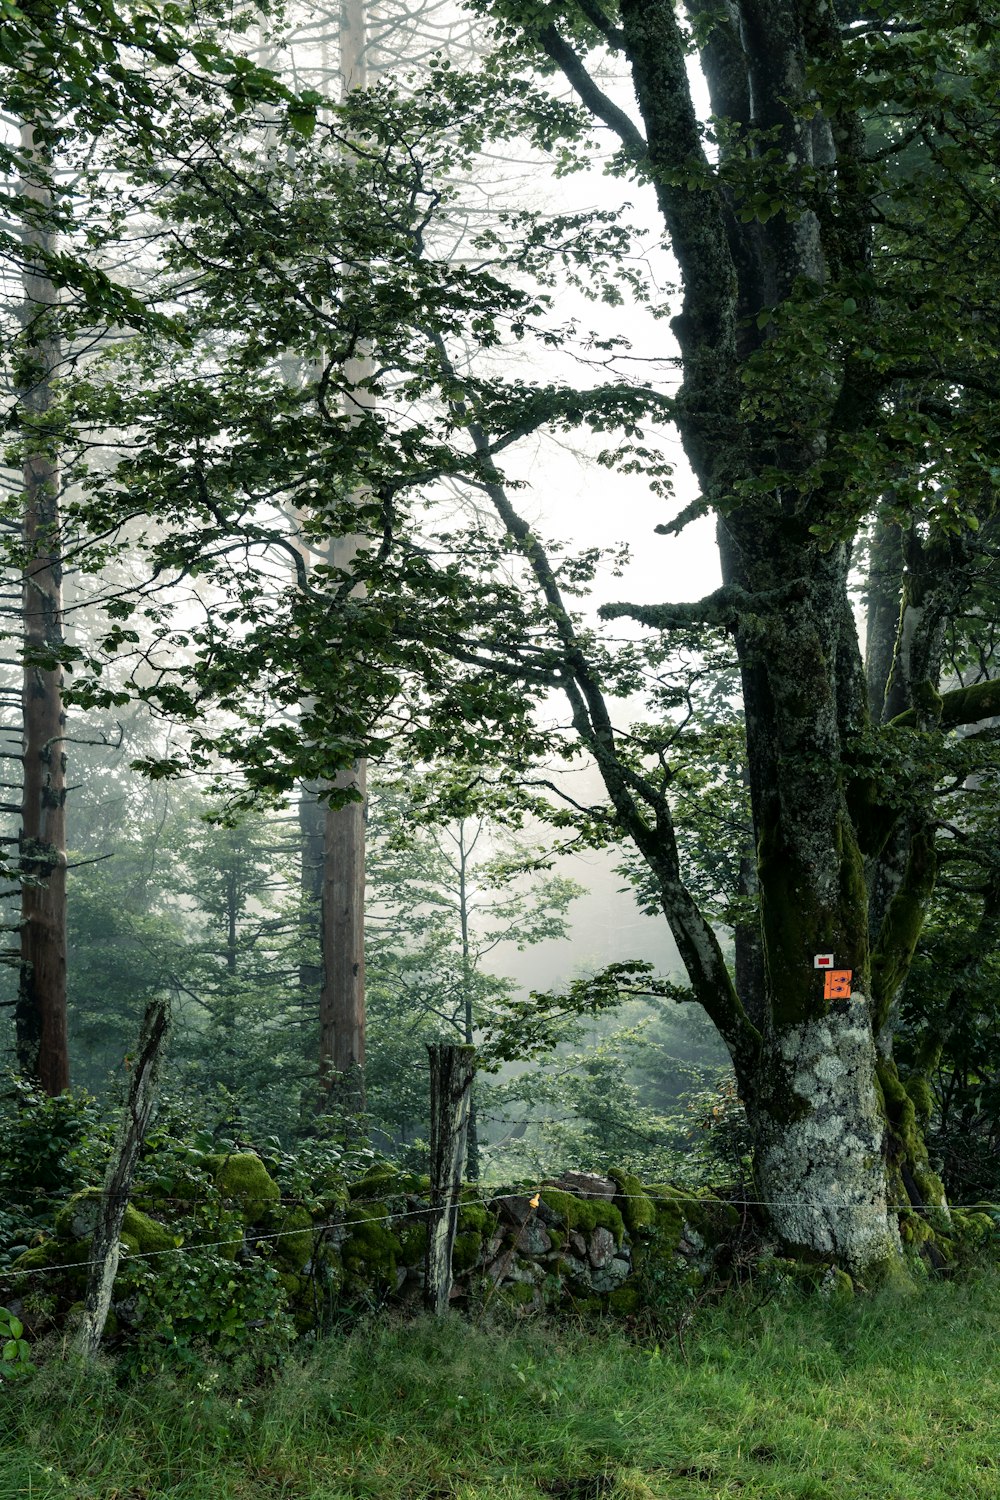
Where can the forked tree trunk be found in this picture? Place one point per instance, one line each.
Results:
(40, 1013)
(836, 1146)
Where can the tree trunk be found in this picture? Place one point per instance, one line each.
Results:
(40, 1013)
(342, 1002)
(105, 1245)
(452, 1072)
(312, 820)
(825, 1125)
(819, 1140)
(468, 1019)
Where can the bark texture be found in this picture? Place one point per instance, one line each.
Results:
(837, 870)
(452, 1071)
(40, 1013)
(342, 1002)
(105, 1246)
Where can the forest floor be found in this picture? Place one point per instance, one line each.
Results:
(892, 1398)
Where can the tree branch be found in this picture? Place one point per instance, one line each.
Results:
(961, 706)
(604, 109)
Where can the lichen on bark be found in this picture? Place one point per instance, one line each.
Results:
(818, 1138)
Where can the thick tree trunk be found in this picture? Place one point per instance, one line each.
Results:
(773, 443)
(40, 1013)
(819, 1141)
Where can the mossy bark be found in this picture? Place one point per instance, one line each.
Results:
(776, 411)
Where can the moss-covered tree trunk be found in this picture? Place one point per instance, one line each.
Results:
(774, 408)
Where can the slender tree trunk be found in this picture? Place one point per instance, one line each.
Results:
(342, 1002)
(468, 1019)
(105, 1244)
(40, 1013)
(312, 818)
(452, 1070)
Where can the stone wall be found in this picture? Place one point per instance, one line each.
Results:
(579, 1242)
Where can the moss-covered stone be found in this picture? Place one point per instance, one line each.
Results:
(625, 1301)
(372, 1250)
(585, 1214)
(519, 1293)
(48, 1253)
(634, 1203)
(473, 1216)
(669, 1210)
(139, 1233)
(243, 1178)
(413, 1244)
(379, 1182)
(294, 1236)
(467, 1251)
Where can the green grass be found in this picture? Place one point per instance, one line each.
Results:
(894, 1398)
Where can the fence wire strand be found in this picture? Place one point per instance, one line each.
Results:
(484, 1202)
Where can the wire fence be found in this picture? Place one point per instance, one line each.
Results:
(534, 1196)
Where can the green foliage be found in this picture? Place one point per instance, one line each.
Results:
(49, 1145)
(197, 1301)
(15, 1353)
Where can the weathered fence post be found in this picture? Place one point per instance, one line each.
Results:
(104, 1247)
(452, 1072)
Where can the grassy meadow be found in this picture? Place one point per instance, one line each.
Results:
(892, 1397)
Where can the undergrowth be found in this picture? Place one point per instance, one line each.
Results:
(792, 1399)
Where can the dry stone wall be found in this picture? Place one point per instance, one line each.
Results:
(580, 1242)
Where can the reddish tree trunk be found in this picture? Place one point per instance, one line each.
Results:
(40, 1012)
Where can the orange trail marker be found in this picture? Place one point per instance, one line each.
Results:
(837, 984)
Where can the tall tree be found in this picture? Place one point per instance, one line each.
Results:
(42, 1040)
(342, 1001)
(837, 365)
(794, 409)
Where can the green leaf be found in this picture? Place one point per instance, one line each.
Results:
(302, 120)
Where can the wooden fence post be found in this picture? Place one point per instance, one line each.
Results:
(104, 1247)
(452, 1071)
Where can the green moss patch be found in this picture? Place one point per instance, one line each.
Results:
(585, 1214)
(244, 1178)
(467, 1251)
(372, 1251)
(294, 1236)
(634, 1203)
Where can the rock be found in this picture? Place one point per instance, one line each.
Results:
(586, 1185)
(611, 1276)
(576, 1269)
(534, 1239)
(526, 1271)
(514, 1207)
(577, 1243)
(242, 1177)
(601, 1249)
